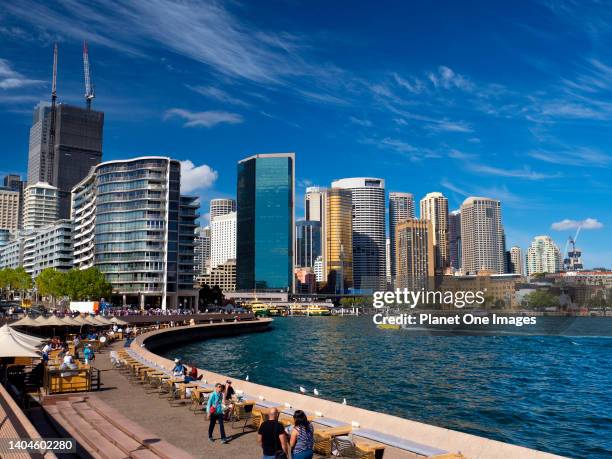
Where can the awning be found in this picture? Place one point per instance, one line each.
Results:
(11, 347)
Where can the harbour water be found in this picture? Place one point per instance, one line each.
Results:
(552, 393)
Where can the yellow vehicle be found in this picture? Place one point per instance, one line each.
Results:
(259, 309)
(316, 310)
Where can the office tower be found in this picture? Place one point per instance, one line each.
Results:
(40, 205)
(221, 206)
(543, 256)
(516, 261)
(265, 227)
(14, 182)
(401, 207)
(454, 238)
(388, 262)
(415, 254)
(222, 239)
(77, 148)
(222, 276)
(482, 236)
(368, 201)
(202, 250)
(307, 243)
(318, 269)
(133, 225)
(9, 209)
(313, 203)
(337, 237)
(48, 247)
(434, 207)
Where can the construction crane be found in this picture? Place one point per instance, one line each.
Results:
(51, 144)
(573, 261)
(89, 88)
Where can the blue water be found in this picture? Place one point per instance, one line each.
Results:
(550, 393)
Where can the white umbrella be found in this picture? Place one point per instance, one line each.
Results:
(25, 321)
(118, 321)
(10, 346)
(55, 321)
(103, 320)
(100, 321)
(91, 321)
(30, 340)
(40, 321)
(71, 322)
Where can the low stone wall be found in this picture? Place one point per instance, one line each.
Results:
(472, 446)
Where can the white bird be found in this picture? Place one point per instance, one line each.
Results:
(344, 401)
(315, 391)
(302, 390)
(247, 378)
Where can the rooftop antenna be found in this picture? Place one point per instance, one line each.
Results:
(51, 145)
(89, 89)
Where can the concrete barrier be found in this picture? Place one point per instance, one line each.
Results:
(471, 446)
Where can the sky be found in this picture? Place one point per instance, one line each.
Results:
(508, 100)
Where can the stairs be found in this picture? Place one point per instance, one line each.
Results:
(104, 433)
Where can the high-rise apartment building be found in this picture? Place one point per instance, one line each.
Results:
(314, 200)
(415, 254)
(307, 243)
(434, 207)
(222, 239)
(516, 261)
(9, 209)
(543, 256)
(48, 247)
(401, 207)
(77, 148)
(11, 254)
(266, 225)
(221, 206)
(337, 237)
(132, 223)
(202, 250)
(40, 205)
(14, 182)
(368, 202)
(482, 236)
(454, 238)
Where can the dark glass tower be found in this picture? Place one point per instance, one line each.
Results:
(265, 222)
(307, 243)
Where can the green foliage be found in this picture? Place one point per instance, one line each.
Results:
(88, 284)
(15, 279)
(541, 299)
(209, 296)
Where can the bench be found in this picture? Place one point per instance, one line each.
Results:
(398, 442)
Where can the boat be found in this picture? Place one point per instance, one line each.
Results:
(259, 309)
(316, 310)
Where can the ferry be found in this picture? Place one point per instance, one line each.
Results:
(316, 310)
(259, 309)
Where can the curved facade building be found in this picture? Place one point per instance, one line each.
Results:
(133, 225)
(369, 238)
(221, 206)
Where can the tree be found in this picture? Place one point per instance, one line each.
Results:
(210, 296)
(49, 283)
(541, 299)
(88, 284)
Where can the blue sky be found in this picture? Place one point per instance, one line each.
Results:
(507, 100)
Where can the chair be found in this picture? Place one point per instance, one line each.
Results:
(342, 446)
(165, 388)
(257, 418)
(243, 411)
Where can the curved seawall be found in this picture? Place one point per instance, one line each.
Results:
(471, 446)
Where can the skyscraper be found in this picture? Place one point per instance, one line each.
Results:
(307, 243)
(313, 203)
(222, 239)
(77, 148)
(202, 250)
(131, 222)
(221, 206)
(337, 237)
(401, 207)
(454, 238)
(415, 254)
(265, 226)
(40, 205)
(434, 207)
(13, 182)
(516, 261)
(482, 236)
(9, 209)
(368, 201)
(543, 256)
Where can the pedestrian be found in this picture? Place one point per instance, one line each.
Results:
(272, 437)
(214, 409)
(301, 440)
(88, 353)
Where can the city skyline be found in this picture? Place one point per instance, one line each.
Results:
(532, 130)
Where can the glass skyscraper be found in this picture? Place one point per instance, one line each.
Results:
(307, 243)
(265, 222)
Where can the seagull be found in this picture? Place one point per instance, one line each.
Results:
(315, 391)
(344, 401)
(247, 378)
(302, 390)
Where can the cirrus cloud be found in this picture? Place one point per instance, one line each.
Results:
(204, 119)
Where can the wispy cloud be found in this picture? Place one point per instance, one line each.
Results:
(447, 78)
(568, 224)
(501, 193)
(11, 79)
(525, 173)
(579, 156)
(360, 121)
(204, 119)
(213, 92)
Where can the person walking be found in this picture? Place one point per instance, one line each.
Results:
(301, 440)
(214, 409)
(272, 437)
(88, 353)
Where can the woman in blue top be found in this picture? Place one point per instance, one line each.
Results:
(214, 409)
(302, 437)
